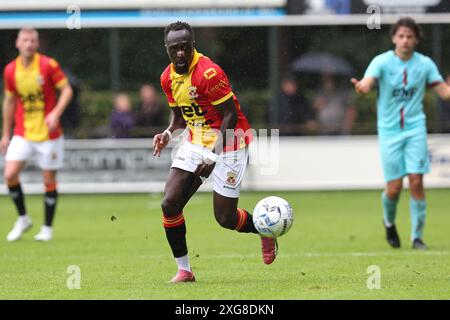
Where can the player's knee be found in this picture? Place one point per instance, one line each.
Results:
(393, 191)
(49, 180)
(225, 221)
(169, 206)
(11, 178)
(416, 185)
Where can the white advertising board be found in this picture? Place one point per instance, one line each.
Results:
(292, 163)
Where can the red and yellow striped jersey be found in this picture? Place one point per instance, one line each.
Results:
(34, 88)
(197, 93)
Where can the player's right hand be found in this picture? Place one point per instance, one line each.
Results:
(160, 141)
(4, 144)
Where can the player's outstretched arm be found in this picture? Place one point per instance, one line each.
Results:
(161, 140)
(443, 90)
(8, 113)
(364, 85)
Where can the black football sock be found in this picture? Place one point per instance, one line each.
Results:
(245, 222)
(51, 198)
(176, 234)
(18, 198)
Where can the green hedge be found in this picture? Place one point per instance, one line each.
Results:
(96, 107)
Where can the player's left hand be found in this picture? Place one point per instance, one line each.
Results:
(361, 86)
(205, 168)
(52, 121)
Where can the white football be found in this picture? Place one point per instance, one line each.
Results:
(273, 217)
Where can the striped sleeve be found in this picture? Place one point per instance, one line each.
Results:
(166, 84)
(433, 75)
(58, 77)
(8, 81)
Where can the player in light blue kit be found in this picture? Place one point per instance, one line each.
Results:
(403, 75)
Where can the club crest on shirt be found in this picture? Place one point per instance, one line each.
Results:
(231, 178)
(192, 92)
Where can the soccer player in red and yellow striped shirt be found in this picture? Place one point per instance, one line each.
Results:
(31, 103)
(200, 97)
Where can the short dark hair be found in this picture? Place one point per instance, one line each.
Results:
(175, 26)
(408, 23)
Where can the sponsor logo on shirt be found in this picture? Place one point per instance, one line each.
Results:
(405, 94)
(210, 73)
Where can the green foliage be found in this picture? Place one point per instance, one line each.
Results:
(243, 52)
(367, 114)
(254, 104)
(96, 108)
(95, 112)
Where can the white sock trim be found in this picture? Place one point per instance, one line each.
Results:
(46, 228)
(183, 263)
(388, 224)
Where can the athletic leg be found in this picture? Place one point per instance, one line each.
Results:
(227, 176)
(390, 198)
(180, 187)
(417, 164)
(51, 195)
(50, 156)
(229, 216)
(50, 201)
(393, 163)
(418, 207)
(11, 175)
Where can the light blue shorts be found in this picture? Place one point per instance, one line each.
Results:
(404, 152)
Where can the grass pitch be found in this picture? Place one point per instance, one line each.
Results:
(119, 245)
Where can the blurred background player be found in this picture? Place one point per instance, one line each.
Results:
(30, 82)
(200, 97)
(402, 76)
